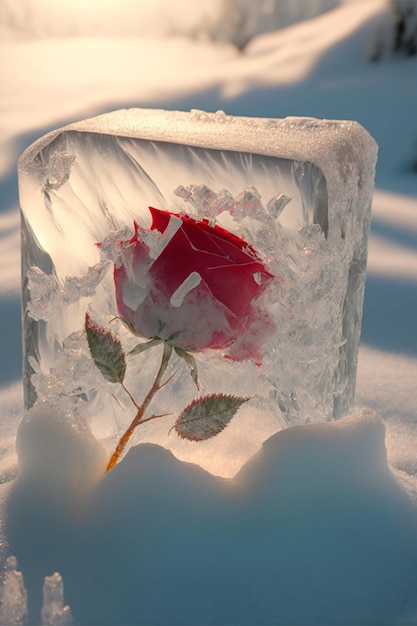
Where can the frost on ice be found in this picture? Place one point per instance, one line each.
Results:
(297, 190)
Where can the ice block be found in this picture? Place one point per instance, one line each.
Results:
(272, 315)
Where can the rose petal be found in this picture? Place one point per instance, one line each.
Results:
(201, 322)
(200, 291)
(233, 285)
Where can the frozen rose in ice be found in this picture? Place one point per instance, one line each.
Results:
(195, 285)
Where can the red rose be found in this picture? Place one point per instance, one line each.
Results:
(195, 285)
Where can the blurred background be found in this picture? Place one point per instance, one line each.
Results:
(231, 21)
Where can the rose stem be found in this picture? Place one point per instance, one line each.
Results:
(142, 408)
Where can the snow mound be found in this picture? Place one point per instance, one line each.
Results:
(314, 526)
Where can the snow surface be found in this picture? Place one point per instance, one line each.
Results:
(320, 526)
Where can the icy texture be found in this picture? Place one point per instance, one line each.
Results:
(13, 595)
(54, 613)
(298, 190)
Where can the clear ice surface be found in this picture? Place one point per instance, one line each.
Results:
(299, 190)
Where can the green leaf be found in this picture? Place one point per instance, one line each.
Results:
(106, 350)
(208, 416)
(141, 347)
(192, 364)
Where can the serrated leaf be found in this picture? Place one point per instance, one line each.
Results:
(141, 347)
(192, 364)
(208, 416)
(106, 351)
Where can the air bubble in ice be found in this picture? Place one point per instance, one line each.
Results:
(58, 169)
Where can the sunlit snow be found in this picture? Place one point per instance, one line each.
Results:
(320, 526)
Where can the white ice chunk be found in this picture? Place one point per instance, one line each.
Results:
(158, 243)
(152, 238)
(276, 204)
(223, 202)
(13, 595)
(110, 246)
(248, 204)
(183, 192)
(192, 281)
(201, 197)
(53, 612)
(257, 277)
(206, 202)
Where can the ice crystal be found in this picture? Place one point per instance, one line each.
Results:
(58, 169)
(277, 204)
(54, 612)
(48, 297)
(110, 246)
